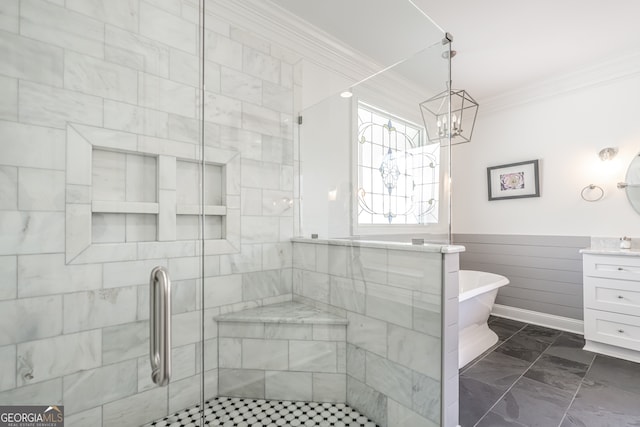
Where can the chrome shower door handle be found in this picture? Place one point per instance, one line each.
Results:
(160, 326)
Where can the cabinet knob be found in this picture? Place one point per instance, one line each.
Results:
(620, 297)
(621, 331)
(620, 269)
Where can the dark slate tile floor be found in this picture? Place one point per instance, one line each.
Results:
(536, 376)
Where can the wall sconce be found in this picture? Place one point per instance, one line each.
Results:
(592, 192)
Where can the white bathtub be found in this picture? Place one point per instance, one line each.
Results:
(478, 291)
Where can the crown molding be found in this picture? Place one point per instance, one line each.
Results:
(306, 41)
(603, 73)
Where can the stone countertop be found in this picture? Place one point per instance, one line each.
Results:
(382, 244)
(611, 251)
(284, 312)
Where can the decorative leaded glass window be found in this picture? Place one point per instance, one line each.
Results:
(397, 173)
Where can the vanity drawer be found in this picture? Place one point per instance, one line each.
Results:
(611, 328)
(622, 267)
(620, 296)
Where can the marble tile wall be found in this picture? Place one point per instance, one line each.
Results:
(282, 361)
(123, 76)
(392, 300)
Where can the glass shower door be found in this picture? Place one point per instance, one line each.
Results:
(100, 180)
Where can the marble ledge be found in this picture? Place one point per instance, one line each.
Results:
(634, 252)
(285, 312)
(382, 244)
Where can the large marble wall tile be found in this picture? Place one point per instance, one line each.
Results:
(222, 290)
(370, 265)
(277, 203)
(241, 383)
(259, 229)
(426, 313)
(141, 228)
(260, 65)
(48, 274)
(394, 380)
(264, 354)
(8, 277)
(222, 50)
(10, 16)
(368, 333)
(41, 20)
(418, 271)
(184, 68)
(391, 304)
(154, 55)
(121, 13)
(426, 397)
(241, 329)
(34, 394)
(124, 342)
(223, 110)
(313, 356)
(287, 331)
(277, 150)
(241, 86)
(263, 284)
(367, 400)
(32, 146)
(9, 99)
(172, 6)
(149, 250)
(288, 385)
(100, 308)
(167, 215)
(249, 39)
(184, 295)
(184, 393)
(87, 389)
(74, 353)
(329, 332)
(356, 358)
(137, 409)
(185, 268)
(129, 272)
(79, 152)
(42, 190)
(8, 188)
(402, 416)
(108, 175)
(97, 77)
(8, 363)
(415, 350)
(348, 294)
(315, 286)
(230, 352)
(31, 60)
(49, 106)
(166, 95)
(260, 119)
(31, 232)
(249, 259)
(276, 255)
(169, 29)
(276, 97)
(90, 417)
(184, 129)
(130, 118)
(39, 318)
(185, 328)
(260, 174)
(329, 387)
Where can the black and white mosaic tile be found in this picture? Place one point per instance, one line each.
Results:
(239, 412)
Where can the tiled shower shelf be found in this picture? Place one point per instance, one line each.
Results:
(213, 210)
(99, 206)
(285, 312)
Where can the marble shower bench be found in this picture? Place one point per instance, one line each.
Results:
(287, 351)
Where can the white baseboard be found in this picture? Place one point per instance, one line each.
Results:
(537, 318)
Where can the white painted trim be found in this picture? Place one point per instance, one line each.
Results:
(612, 350)
(537, 318)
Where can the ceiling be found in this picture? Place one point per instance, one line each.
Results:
(502, 45)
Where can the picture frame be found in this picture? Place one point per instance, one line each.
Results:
(513, 181)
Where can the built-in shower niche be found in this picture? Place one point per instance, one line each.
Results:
(131, 197)
(124, 205)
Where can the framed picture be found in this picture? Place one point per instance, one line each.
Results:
(513, 181)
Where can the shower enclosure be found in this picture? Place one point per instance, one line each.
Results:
(144, 133)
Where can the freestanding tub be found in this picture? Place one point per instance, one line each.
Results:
(478, 291)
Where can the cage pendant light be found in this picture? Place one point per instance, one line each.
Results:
(438, 123)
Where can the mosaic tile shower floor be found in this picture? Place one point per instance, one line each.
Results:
(238, 412)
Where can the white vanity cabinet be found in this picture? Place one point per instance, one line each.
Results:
(612, 303)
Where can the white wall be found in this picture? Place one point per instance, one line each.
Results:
(565, 132)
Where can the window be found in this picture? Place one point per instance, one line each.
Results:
(397, 173)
